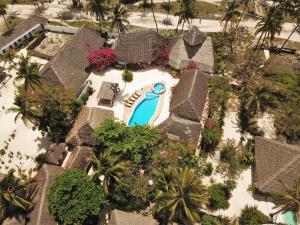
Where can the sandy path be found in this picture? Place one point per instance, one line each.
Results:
(217, 2)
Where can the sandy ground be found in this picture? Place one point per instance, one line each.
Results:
(217, 2)
(140, 80)
(20, 143)
(266, 123)
(240, 195)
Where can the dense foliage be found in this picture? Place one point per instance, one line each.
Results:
(75, 199)
(219, 194)
(101, 58)
(136, 143)
(127, 76)
(252, 216)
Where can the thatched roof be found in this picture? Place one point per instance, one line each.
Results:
(55, 154)
(45, 178)
(124, 218)
(139, 46)
(68, 67)
(189, 95)
(16, 220)
(182, 53)
(275, 162)
(20, 29)
(80, 158)
(194, 37)
(178, 129)
(86, 122)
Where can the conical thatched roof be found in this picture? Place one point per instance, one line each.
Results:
(194, 37)
(125, 218)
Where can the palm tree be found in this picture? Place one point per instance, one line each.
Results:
(257, 98)
(245, 3)
(152, 10)
(231, 14)
(3, 11)
(23, 110)
(288, 200)
(9, 187)
(9, 56)
(119, 18)
(187, 12)
(108, 168)
(180, 195)
(28, 72)
(98, 10)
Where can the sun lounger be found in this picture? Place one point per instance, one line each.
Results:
(128, 104)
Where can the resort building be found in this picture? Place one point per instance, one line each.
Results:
(44, 180)
(69, 67)
(56, 154)
(25, 30)
(118, 217)
(276, 164)
(142, 46)
(187, 107)
(86, 122)
(192, 46)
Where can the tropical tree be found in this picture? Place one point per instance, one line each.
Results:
(28, 72)
(231, 14)
(288, 200)
(108, 169)
(119, 18)
(9, 56)
(245, 3)
(3, 11)
(153, 14)
(187, 12)
(180, 195)
(98, 9)
(10, 186)
(256, 99)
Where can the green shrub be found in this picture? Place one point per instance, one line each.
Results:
(219, 194)
(228, 152)
(252, 216)
(127, 76)
(75, 199)
(208, 169)
(211, 137)
(213, 220)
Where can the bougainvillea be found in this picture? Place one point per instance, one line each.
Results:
(101, 58)
(192, 66)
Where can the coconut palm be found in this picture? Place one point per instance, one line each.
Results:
(231, 14)
(245, 3)
(180, 195)
(28, 72)
(3, 11)
(153, 14)
(288, 200)
(9, 56)
(257, 98)
(119, 18)
(9, 189)
(187, 12)
(108, 169)
(98, 9)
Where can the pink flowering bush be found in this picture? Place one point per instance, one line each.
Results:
(101, 58)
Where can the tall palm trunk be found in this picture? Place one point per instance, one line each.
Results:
(241, 17)
(169, 5)
(296, 27)
(182, 26)
(254, 50)
(152, 9)
(5, 21)
(177, 25)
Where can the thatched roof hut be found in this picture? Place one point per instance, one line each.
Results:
(68, 67)
(189, 95)
(125, 218)
(16, 220)
(16, 33)
(86, 122)
(45, 178)
(275, 163)
(193, 47)
(56, 154)
(141, 46)
(80, 158)
(178, 129)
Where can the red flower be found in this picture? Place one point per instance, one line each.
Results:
(101, 58)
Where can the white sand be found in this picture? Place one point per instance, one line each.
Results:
(140, 79)
(266, 123)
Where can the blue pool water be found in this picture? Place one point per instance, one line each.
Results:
(289, 218)
(145, 110)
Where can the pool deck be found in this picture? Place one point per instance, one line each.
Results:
(129, 110)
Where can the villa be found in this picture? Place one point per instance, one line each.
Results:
(275, 163)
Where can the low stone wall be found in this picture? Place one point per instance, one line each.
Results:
(37, 41)
(39, 54)
(61, 29)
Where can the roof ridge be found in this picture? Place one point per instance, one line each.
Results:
(43, 194)
(292, 161)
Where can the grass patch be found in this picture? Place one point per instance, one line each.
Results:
(55, 23)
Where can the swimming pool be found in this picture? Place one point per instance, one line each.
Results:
(289, 218)
(146, 109)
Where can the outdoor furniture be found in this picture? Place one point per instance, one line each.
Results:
(108, 93)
